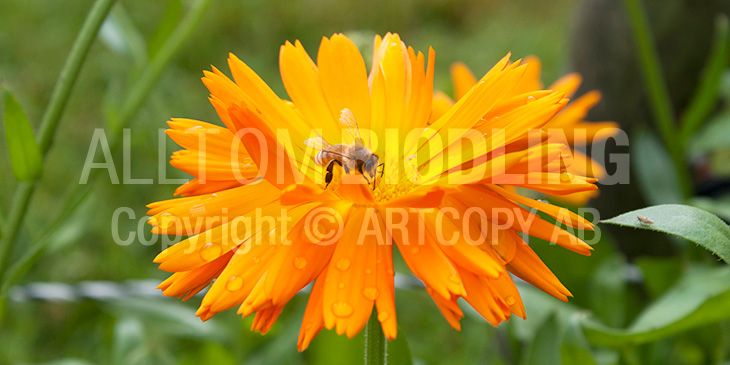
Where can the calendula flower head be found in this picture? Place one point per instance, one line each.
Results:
(323, 188)
(568, 127)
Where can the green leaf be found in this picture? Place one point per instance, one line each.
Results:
(25, 155)
(690, 223)
(705, 98)
(657, 176)
(701, 297)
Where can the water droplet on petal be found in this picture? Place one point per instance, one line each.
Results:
(197, 209)
(165, 220)
(300, 262)
(341, 309)
(368, 271)
(455, 278)
(210, 251)
(234, 283)
(343, 264)
(341, 285)
(390, 272)
(383, 316)
(415, 251)
(510, 300)
(307, 326)
(529, 99)
(370, 293)
(255, 260)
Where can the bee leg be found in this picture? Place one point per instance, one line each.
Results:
(330, 172)
(381, 167)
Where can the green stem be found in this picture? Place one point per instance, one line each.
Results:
(375, 343)
(70, 72)
(152, 73)
(651, 70)
(137, 95)
(24, 262)
(51, 117)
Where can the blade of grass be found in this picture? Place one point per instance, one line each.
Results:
(656, 87)
(50, 119)
(150, 75)
(705, 99)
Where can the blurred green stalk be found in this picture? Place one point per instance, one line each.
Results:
(657, 90)
(375, 343)
(153, 71)
(49, 122)
(132, 103)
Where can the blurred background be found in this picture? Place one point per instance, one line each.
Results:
(82, 298)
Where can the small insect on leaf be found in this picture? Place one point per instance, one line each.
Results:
(644, 220)
(25, 155)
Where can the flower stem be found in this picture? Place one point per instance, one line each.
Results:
(651, 70)
(375, 343)
(51, 117)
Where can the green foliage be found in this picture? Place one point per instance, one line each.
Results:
(545, 348)
(655, 173)
(144, 70)
(690, 223)
(702, 296)
(25, 155)
(705, 98)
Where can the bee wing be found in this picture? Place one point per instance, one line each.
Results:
(317, 143)
(347, 119)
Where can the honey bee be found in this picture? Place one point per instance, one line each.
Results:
(355, 157)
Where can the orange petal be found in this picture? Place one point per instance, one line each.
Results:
(350, 289)
(568, 84)
(344, 79)
(421, 253)
(462, 78)
(302, 81)
(313, 320)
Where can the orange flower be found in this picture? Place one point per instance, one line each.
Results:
(567, 127)
(279, 199)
